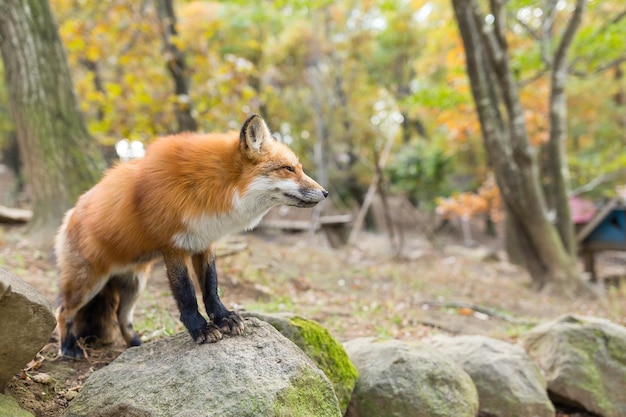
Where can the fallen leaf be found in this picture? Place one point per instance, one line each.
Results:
(42, 378)
(464, 311)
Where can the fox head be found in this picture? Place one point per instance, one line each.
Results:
(278, 174)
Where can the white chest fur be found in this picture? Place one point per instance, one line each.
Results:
(248, 210)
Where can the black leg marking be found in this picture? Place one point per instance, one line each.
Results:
(69, 345)
(136, 340)
(185, 296)
(227, 321)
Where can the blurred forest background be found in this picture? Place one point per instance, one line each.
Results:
(492, 123)
(371, 91)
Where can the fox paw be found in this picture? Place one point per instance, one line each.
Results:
(74, 352)
(199, 329)
(210, 334)
(231, 324)
(70, 347)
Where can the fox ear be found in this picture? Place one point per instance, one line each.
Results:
(254, 132)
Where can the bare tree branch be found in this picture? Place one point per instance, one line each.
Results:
(599, 180)
(560, 56)
(604, 67)
(495, 48)
(611, 22)
(599, 69)
(498, 12)
(533, 78)
(533, 34)
(556, 172)
(547, 28)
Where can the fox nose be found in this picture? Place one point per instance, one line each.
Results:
(325, 193)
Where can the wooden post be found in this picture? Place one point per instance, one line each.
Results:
(590, 264)
(371, 191)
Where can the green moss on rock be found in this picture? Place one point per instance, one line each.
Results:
(319, 345)
(397, 380)
(583, 360)
(9, 407)
(306, 397)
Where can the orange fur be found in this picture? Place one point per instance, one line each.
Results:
(188, 190)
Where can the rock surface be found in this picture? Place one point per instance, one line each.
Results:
(10, 408)
(319, 345)
(26, 325)
(584, 361)
(399, 380)
(509, 384)
(260, 373)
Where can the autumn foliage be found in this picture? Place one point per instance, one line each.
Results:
(329, 74)
(467, 205)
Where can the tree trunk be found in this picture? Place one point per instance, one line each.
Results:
(620, 101)
(59, 157)
(94, 68)
(556, 170)
(177, 67)
(513, 158)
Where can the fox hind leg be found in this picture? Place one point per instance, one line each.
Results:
(69, 346)
(75, 294)
(96, 321)
(129, 287)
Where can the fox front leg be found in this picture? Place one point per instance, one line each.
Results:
(227, 321)
(184, 293)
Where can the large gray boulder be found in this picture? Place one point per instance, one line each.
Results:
(509, 384)
(260, 373)
(399, 380)
(319, 345)
(584, 361)
(25, 326)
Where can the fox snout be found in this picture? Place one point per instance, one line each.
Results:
(305, 194)
(309, 197)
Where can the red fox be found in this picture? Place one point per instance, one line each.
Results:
(187, 192)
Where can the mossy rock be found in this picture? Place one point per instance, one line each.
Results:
(584, 362)
(9, 407)
(509, 384)
(257, 374)
(397, 379)
(319, 345)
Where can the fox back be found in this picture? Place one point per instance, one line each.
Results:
(188, 191)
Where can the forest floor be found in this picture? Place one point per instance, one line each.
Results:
(354, 292)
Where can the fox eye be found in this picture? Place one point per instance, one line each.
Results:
(289, 168)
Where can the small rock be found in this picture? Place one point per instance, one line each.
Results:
(509, 384)
(584, 361)
(70, 395)
(399, 380)
(26, 325)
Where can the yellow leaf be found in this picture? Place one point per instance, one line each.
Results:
(177, 42)
(75, 44)
(113, 90)
(93, 53)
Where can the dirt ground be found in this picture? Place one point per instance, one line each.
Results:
(357, 291)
